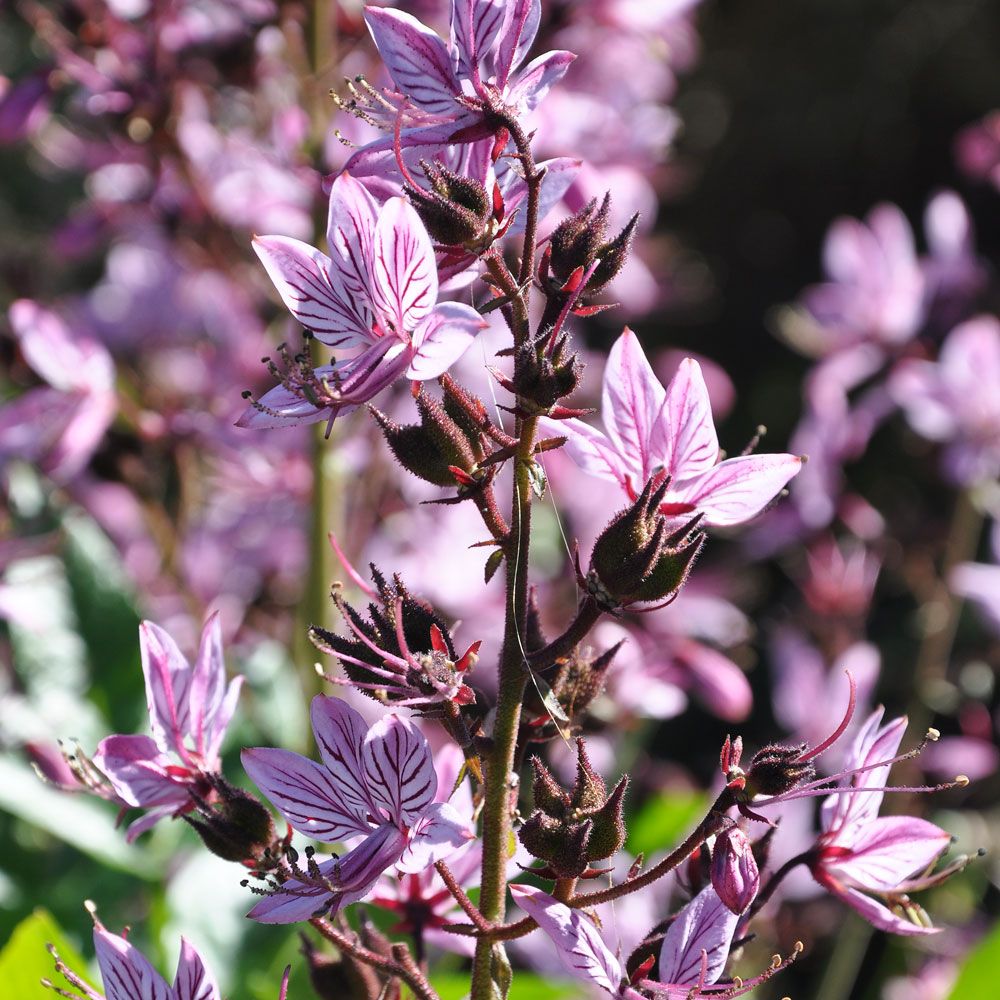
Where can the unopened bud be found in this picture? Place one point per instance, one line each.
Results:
(543, 375)
(457, 210)
(613, 256)
(575, 242)
(237, 827)
(735, 875)
(776, 769)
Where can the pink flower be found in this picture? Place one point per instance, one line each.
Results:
(692, 958)
(378, 784)
(376, 295)
(956, 399)
(859, 855)
(189, 710)
(652, 431)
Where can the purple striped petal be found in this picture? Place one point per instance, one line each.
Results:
(517, 37)
(312, 294)
(706, 925)
(737, 489)
(417, 59)
(530, 85)
(168, 687)
(399, 770)
(140, 774)
(687, 415)
(340, 734)
(405, 284)
(308, 795)
(578, 944)
(475, 25)
(193, 980)
(211, 703)
(590, 449)
(283, 407)
(126, 972)
(350, 232)
(443, 339)
(630, 407)
(441, 832)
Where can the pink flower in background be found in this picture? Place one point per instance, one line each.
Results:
(652, 431)
(377, 295)
(860, 855)
(956, 399)
(375, 783)
(840, 577)
(977, 149)
(980, 582)
(189, 711)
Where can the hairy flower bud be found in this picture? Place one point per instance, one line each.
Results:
(236, 827)
(735, 875)
(545, 373)
(457, 211)
(613, 256)
(635, 560)
(776, 769)
(569, 830)
(435, 447)
(575, 242)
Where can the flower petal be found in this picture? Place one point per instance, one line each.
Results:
(168, 687)
(441, 832)
(140, 774)
(399, 769)
(737, 489)
(517, 37)
(707, 925)
(193, 980)
(417, 59)
(350, 232)
(211, 705)
(306, 282)
(443, 339)
(405, 284)
(582, 952)
(308, 795)
(590, 449)
(693, 446)
(879, 915)
(475, 25)
(126, 972)
(530, 85)
(631, 405)
(340, 734)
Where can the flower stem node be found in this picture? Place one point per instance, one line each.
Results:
(635, 560)
(569, 830)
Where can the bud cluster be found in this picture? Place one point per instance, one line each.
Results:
(570, 830)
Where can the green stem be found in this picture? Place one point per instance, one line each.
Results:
(512, 678)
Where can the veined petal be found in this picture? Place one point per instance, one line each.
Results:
(707, 925)
(399, 770)
(350, 233)
(340, 734)
(738, 488)
(582, 952)
(126, 972)
(404, 270)
(193, 981)
(303, 277)
(887, 851)
(559, 174)
(140, 774)
(417, 59)
(475, 25)
(693, 446)
(208, 683)
(590, 449)
(440, 341)
(283, 407)
(308, 795)
(517, 37)
(441, 832)
(631, 402)
(168, 679)
(529, 86)
(877, 914)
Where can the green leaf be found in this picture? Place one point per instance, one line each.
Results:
(536, 477)
(664, 821)
(977, 979)
(493, 564)
(25, 960)
(526, 986)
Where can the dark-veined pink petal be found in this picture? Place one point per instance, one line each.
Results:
(475, 25)
(590, 449)
(193, 980)
(404, 270)
(737, 489)
(417, 59)
(126, 972)
(398, 769)
(517, 37)
(440, 341)
(340, 734)
(308, 795)
(441, 832)
(582, 952)
(140, 774)
(281, 407)
(306, 283)
(887, 851)
(631, 404)
(559, 174)
(350, 233)
(706, 925)
(211, 703)
(529, 86)
(168, 687)
(879, 915)
(693, 447)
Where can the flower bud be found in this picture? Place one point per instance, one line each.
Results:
(340, 978)
(435, 447)
(237, 827)
(545, 375)
(613, 256)
(735, 876)
(457, 211)
(776, 769)
(635, 560)
(575, 242)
